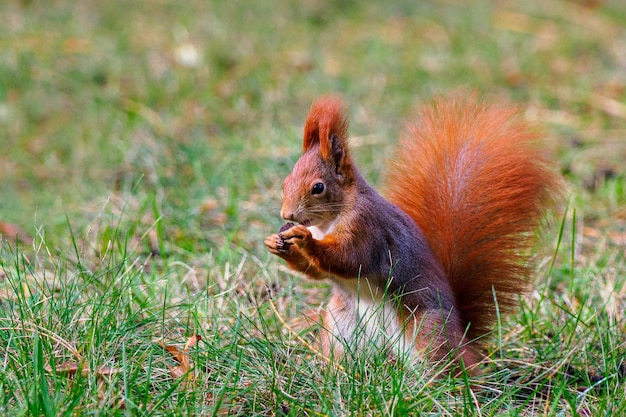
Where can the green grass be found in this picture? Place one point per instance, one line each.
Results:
(143, 184)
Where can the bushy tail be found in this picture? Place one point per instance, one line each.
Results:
(473, 177)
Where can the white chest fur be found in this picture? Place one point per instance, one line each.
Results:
(320, 231)
(364, 320)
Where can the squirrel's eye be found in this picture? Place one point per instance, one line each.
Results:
(318, 188)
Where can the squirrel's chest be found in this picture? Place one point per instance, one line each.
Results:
(364, 321)
(320, 231)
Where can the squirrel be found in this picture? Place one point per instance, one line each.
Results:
(426, 271)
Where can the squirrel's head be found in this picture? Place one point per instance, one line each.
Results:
(315, 191)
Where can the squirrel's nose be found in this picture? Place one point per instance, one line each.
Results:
(286, 214)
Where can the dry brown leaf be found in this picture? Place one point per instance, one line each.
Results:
(71, 368)
(609, 105)
(120, 404)
(176, 353)
(619, 238)
(191, 342)
(177, 371)
(592, 232)
(76, 45)
(182, 357)
(106, 371)
(11, 232)
(153, 236)
(208, 204)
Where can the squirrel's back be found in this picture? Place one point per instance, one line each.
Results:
(473, 177)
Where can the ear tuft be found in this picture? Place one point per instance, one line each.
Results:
(327, 117)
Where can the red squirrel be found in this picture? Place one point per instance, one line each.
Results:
(425, 271)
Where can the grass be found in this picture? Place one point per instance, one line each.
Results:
(143, 146)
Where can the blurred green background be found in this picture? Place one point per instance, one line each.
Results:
(199, 105)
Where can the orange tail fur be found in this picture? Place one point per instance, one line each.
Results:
(472, 177)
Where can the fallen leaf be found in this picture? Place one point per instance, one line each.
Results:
(106, 371)
(191, 342)
(76, 45)
(71, 368)
(182, 357)
(208, 205)
(154, 242)
(591, 232)
(177, 371)
(176, 353)
(11, 231)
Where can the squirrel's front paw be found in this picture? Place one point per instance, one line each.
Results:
(276, 244)
(297, 235)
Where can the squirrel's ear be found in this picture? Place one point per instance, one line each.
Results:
(339, 155)
(327, 127)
